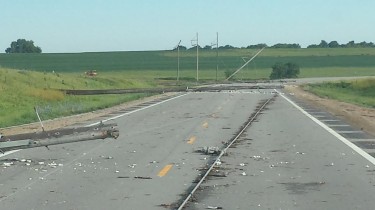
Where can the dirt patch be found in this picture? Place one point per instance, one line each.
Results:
(360, 117)
(67, 121)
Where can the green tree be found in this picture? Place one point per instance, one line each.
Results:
(323, 44)
(23, 46)
(282, 71)
(333, 44)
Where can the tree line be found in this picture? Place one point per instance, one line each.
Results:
(322, 44)
(27, 46)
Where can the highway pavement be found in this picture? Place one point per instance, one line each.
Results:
(285, 160)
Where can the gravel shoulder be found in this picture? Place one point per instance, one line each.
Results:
(361, 117)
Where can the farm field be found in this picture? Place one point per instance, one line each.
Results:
(29, 80)
(313, 62)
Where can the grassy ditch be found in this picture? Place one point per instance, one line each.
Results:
(21, 91)
(360, 92)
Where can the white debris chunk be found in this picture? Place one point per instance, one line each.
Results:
(7, 164)
(242, 164)
(243, 174)
(132, 165)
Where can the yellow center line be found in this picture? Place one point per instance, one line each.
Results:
(165, 170)
(205, 125)
(192, 140)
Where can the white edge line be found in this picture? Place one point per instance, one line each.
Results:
(334, 133)
(137, 110)
(8, 153)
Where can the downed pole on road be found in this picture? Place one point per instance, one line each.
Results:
(123, 91)
(58, 136)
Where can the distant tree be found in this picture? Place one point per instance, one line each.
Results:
(312, 46)
(287, 70)
(350, 44)
(323, 44)
(256, 46)
(23, 46)
(207, 47)
(333, 44)
(227, 47)
(195, 47)
(281, 45)
(181, 48)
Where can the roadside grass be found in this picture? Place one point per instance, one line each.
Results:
(360, 92)
(21, 91)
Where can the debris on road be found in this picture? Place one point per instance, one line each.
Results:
(142, 177)
(214, 207)
(123, 177)
(132, 165)
(210, 150)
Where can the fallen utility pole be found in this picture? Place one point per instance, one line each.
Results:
(58, 136)
(239, 69)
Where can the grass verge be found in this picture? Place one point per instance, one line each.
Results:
(360, 92)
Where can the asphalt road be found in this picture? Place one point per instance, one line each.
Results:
(284, 161)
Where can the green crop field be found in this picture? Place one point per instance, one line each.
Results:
(352, 61)
(28, 80)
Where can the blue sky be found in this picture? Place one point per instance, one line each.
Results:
(133, 25)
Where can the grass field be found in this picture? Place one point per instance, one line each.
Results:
(360, 92)
(28, 80)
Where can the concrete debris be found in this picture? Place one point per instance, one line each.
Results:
(300, 153)
(242, 164)
(243, 174)
(218, 162)
(210, 150)
(132, 165)
(41, 163)
(7, 164)
(367, 166)
(214, 207)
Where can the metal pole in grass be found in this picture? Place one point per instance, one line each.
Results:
(37, 114)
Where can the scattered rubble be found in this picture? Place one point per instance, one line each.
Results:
(210, 150)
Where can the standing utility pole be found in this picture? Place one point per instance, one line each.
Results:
(217, 53)
(178, 60)
(197, 58)
(192, 43)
